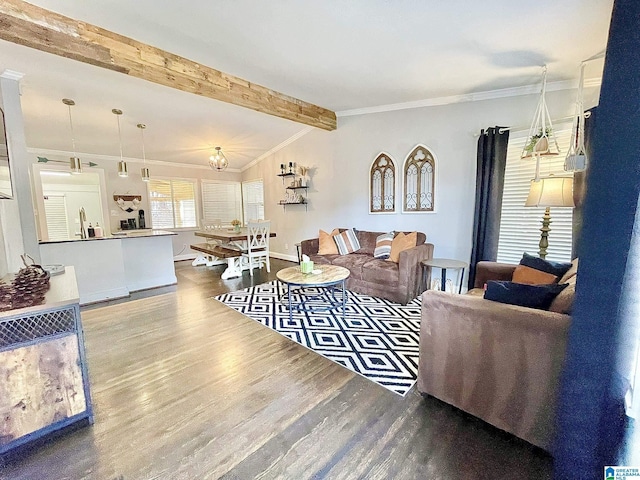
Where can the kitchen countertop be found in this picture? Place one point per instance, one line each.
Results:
(146, 232)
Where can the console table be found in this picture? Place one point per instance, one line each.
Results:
(44, 385)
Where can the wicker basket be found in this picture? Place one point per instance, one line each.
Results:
(27, 288)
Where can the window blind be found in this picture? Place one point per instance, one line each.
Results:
(520, 225)
(253, 200)
(55, 208)
(221, 201)
(172, 203)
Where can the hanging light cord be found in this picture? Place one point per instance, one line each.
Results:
(144, 155)
(119, 137)
(73, 141)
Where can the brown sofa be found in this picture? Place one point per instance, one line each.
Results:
(498, 362)
(399, 282)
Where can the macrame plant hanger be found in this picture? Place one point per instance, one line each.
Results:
(576, 160)
(541, 140)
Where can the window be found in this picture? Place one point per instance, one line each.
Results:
(253, 200)
(419, 176)
(520, 225)
(382, 187)
(221, 201)
(55, 208)
(173, 203)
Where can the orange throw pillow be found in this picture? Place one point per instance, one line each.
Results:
(326, 243)
(400, 243)
(531, 276)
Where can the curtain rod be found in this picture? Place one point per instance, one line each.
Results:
(557, 120)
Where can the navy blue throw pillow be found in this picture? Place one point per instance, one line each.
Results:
(532, 296)
(555, 268)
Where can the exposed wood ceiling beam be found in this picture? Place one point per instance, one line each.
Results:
(35, 27)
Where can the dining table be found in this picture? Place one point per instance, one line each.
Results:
(229, 239)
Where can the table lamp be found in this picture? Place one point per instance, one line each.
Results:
(549, 192)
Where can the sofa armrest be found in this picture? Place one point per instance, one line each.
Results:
(410, 272)
(486, 271)
(499, 362)
(309, 247)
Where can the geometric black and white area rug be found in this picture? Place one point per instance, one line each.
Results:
(377, 339)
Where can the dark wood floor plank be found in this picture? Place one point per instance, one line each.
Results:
(186, 388)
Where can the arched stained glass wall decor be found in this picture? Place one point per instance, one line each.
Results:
(418, 181)
(382, 188)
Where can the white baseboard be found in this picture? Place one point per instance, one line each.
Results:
(284, 256)
(184, 256)
(147, 283)
(103, 295)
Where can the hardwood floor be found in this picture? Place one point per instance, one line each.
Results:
(186, 388)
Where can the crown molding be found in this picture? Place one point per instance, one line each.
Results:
(471, 97)
(111, 158)
(12, 75)
(278, 147)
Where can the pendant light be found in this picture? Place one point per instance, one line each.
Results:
(144, 171)
(74, 162)
(218, 161)
(576, 160)
(122, 165)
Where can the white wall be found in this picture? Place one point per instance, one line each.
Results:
(134, 185)
(338, 196)
(18, 222)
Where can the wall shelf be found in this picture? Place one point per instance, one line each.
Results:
(292, 197)
(128, 198)
(285, 204)
(283, 175)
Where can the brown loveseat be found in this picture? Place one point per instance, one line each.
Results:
(498, 362)
(399, 282)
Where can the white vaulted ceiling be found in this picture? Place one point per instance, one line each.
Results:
(339, 55)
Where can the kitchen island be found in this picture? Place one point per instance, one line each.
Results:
(116, 265)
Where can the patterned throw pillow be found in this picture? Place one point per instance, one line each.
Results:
(347, 242)
(383, 245)
(326, 243)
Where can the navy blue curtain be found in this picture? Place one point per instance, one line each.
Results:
(491, 163)
(589, 426)
(580, 182)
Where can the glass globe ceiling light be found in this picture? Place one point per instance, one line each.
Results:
(218, 161)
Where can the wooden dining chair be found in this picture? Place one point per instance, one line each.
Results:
(258, 244)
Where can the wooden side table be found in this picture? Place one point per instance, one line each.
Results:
(443, 264)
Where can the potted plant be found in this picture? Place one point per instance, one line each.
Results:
(303, 171)
(538, 143)
(236, 225)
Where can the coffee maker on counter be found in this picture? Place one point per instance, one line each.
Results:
(141, 223)
(128, 224)
(133, 223)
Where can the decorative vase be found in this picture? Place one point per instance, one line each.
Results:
(236, 228)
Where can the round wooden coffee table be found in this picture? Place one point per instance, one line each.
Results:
(320, 291)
